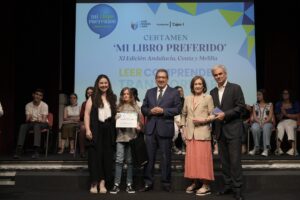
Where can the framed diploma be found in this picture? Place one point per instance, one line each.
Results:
(126, 120)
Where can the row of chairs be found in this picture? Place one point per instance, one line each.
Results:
(48, 130)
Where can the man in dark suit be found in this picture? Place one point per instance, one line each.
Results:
(228, 128)
(159, 107)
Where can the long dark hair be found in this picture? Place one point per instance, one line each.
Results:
(264, 94)
(135, 94)
(110, 96)
(86, 90)
(121, 100)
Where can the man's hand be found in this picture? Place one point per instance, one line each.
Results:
(220, 116)
(157, 110)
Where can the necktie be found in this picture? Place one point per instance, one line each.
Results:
(159, 95)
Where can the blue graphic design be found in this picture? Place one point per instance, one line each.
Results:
(102, 19)
(186, 39)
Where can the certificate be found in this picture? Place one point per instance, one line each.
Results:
(126, 120)
(216, 111)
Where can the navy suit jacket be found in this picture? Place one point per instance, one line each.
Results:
(163, 123)
(232, 105)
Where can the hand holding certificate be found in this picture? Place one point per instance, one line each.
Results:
(216, 111)
(126, 120)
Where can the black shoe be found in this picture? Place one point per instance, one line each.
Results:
(146, 188)
(238, 195)
(35, 155)
(16, 156)
(115, 190)
(167, 188)
(129, 189)
(82, 155)
(18, 153)
(225, 192)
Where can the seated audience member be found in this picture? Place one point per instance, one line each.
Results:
(88, 92)
(247, 118)
(70, 123)
(287, 111)
(262, 123)
(1, 110)
(298, 122)
(36, 119)
(178, 130)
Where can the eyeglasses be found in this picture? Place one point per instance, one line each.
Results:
(285, 93)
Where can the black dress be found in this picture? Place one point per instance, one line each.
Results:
(101, 148)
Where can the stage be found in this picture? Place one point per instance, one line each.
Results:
(65, 177)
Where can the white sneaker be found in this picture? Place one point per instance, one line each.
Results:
(252, 152)
(278, 151)
(178, 152)
(93, 189)
(265, 153)
(291, 152)
(216, 152)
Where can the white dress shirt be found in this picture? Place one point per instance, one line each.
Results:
(221, 91)
(163, 91)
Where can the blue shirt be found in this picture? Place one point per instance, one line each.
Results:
(295, 109)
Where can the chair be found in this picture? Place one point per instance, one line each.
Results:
(46, 131)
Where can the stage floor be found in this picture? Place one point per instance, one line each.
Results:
(65, 177)
(27, 193)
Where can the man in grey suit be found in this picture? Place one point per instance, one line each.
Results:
(228, 128)
(160, 105)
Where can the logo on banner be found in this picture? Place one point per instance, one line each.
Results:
(140, 24)
(102, 19)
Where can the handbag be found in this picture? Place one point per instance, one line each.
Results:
(138, 151)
